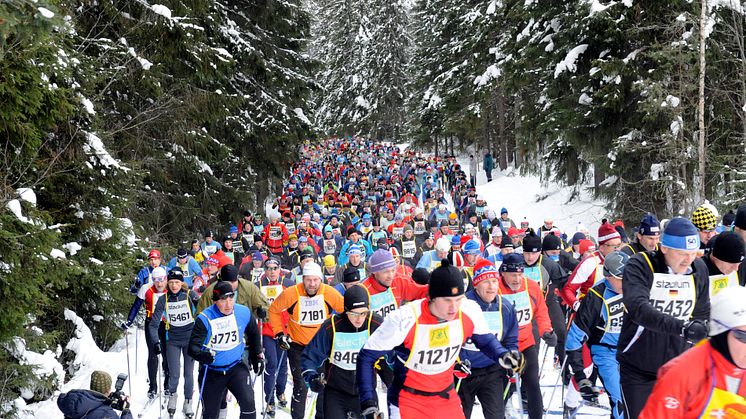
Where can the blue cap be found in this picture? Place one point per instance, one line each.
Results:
(650, 226)
(680, 234)
(367, 217)
(456, 240)
(233, 229)
(577, 237)
(503, 211)
(471, 248)
(354, 250)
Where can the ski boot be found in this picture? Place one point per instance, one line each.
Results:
(223, 413)
(152, 394)
(282, 401)
(188, 412)
(172, 399)
(270, 411)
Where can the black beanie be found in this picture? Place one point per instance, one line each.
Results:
(351, 274)
(728, 218)
(356, 297)
(446, 281)
(532, 243)
(229, 273)
(740, 221)
(421, 276)
(728, 247)
(551, 242)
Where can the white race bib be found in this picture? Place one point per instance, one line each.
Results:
(522, 303)
(435, 347)
(275, 233)
(224, 336)
(408, 249)
(330, 246)
(674, 295)
(271, 292)
(179, 313)
(615, 310)
(312, 310)
(419, 227)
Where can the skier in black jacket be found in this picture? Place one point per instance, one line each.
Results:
(667, 303)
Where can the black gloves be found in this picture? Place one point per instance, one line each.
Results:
(283, 340)
(205, 357)
(261, 313)
(125, 325)
(512, 360)
(694, 331)
(550, 338)
(315, 382)
(370, 410)
(257, 364)
(157, 348)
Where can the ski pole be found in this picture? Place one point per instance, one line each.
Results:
(160, 393)
(544, 360)
(551, 397)
(137, 335)
(127, 350)
(201, 389)
(518, 393)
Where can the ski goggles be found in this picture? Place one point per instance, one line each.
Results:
(224, 296)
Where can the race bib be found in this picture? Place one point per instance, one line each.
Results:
(271, 292)
(397, 232)
(479, 211)
(522, 304)
(615, 310)
(290, 227)
(494, 320)
(345, 348)
(256, 273)
(275, 233)
(224, 333)
(674, 295)
(312, 310)
(179, 314)
(721, 282)
(408, 249)
(419, 227)
(249, 239)
(211, 249)
(383, 303)
(436, 347)
(237, 246)
(330, 246)
(533, 273)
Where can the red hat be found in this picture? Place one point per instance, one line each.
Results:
(458, 260)
(586, 245)
(484, 269)
(464, 239)
(607, 232)
(212, 261)
(154, 254)
(512, 231)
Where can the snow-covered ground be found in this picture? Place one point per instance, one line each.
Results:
(527, 196)
(523, 196)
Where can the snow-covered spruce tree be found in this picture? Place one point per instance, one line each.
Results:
(341, 40)
(387, 59)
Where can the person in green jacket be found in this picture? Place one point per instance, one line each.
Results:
(247, 293)
(488, 164)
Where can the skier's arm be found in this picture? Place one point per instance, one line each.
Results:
(155, 321)
(702, 282)
(586, 318)
(259, 304)
(286, 298)
(254, 339)
(637, 282)
(197, 340)
(317, 351)
(134, 309)
(542, 313)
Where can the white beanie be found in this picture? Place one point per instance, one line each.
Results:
(443, 244)
(312, 269)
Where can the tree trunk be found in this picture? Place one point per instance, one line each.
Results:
(519, 150)
(503, 141)
(700, 191)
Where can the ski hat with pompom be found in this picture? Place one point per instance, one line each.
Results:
(445, 281)
(484, 269)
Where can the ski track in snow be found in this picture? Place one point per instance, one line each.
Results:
(520, 198)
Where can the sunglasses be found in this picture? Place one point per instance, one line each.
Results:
(358, 315)
(227, 295)
(159, 279)
(740, 335)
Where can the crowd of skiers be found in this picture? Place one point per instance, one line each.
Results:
(377, 263)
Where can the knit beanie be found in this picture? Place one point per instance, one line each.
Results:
(351, 274)
(229, 273)
(484, 269)
(650, 226)
(512, 262)
(532, 242)
(551, 242)
(607, 232)
(586, 245)
(101, 382)
(446, 281)
(728, 218)
(728, 247)
(456, 240)
(381, 260)
(680, 234)
(220, 289)
(312, 269)
(356, 297)
(471, 247)
(354, 250)
(577, 237)
(704, 219)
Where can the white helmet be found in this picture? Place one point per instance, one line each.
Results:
(727, 310)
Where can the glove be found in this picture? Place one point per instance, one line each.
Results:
(586, 390)
(370, 410)
(283, 340)
(694, 331)
(550, 338)
(261, 313)
(258, 364)
(316, 384)
(157, 348)
(205, 357)
(125, 325)
(512, 360)
(462, 369)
